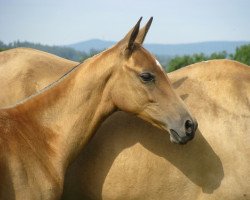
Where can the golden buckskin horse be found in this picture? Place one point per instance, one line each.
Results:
(130, 159)
(42, 134)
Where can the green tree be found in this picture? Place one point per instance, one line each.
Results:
(91, 53)
(220, 55)
(182, 61)
(242, 54)
(2, 46)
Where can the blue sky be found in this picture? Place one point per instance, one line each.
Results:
(176, 21)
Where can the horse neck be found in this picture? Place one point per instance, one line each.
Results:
(74, 107)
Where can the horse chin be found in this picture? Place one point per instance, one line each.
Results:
(175, 138)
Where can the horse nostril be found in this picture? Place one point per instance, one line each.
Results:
(189, 126)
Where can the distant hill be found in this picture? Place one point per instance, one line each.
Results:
(192, 48)
(167, 49)
(91, 44)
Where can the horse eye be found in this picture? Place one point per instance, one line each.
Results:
(147, 77)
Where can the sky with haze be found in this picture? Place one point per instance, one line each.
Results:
(177, 21)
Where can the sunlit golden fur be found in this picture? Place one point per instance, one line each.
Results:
(130, 159)
(25, 71)
(42, 134)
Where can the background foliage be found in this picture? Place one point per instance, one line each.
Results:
(65, 52)
(182, 61)
(242, 54)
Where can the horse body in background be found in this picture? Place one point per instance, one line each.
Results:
(25, 71)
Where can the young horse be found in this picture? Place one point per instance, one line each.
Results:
(41, 135)
(129, 159)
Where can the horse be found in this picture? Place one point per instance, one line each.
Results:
(42, 134)
(206, 168)
(139, 162)
(130, 159)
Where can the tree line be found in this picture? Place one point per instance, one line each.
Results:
(242, 54)
(62, 51)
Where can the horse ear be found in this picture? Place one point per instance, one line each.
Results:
(130, 38)
(143, 32)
